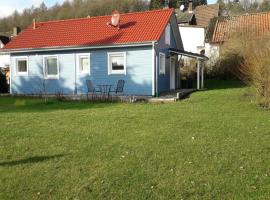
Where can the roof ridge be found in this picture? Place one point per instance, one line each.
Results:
(207, 5)
(61, 33)
(245, 14)
(104, 16)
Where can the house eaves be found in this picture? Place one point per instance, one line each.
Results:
(69, 48)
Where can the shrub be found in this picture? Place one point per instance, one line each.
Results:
(3, 83)
(247, 57)
(255, 69)
(59, 95)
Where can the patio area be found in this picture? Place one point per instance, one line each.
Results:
(171, 96)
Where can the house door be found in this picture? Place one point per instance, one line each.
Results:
(172, 73)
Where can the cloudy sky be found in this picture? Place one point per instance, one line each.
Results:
(8, 6)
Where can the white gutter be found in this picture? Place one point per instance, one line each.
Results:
(10, 75)
(153, 68)
(157, 64)
(65, 48)
(75, 77)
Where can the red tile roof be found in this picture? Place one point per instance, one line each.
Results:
(205, 13)
(134, 28)
(256, 23)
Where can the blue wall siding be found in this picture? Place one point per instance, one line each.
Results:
(164, 79)
(138, 78)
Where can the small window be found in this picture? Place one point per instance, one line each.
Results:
(162, 60)
(168, 35)
(83, 63)
(51, 67)
(22, 66)
(117, 63)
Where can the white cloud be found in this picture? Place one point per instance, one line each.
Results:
(36, 2)
(6, 10)
(7, 7)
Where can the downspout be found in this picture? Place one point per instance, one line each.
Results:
(155, 71)
(156, 76)
(10, 74)
(154, 87)
(75, 78)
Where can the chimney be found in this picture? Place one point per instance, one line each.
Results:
(16, 31)
(34, 23)
(115, 20)
(190, 6)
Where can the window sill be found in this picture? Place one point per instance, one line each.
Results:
(118, 73)
(111, 74)
(22, 74)
(84, 73)
(52, 78)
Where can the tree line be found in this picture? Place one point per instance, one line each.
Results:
(83, 8)
(69, 10)
(236, 7)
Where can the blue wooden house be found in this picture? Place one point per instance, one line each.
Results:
(60, 56)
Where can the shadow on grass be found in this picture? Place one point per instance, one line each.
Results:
(214, 84)
(35, 159)
(28, 104)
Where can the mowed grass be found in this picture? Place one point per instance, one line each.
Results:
(214, 145)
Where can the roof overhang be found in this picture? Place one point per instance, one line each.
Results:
(174, 51)
(68, 48)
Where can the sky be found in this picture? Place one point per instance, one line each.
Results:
(7, 7)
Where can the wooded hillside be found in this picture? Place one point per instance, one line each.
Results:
(82, 8)
(69, 10)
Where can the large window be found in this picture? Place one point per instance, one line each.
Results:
(117, 63)
(162, 61)
(22, 66)
(83, 62)
(51, 67)
(168, 35)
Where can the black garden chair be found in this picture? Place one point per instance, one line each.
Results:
(91, 89)
(119, 87)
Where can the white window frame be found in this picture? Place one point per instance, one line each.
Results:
(78, 56)
(21, 58)
(168, 34)
(161, 71)
(110, 71)
(44, 67)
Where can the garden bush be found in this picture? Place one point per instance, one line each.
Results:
(3, 83)
(247, 58)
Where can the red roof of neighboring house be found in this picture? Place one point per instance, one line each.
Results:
(205, 13)
(256, 23)
(134, 28)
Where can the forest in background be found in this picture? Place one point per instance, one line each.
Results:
(83, 8)
(69, 10)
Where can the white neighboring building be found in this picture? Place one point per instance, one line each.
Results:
(193, 38)
(4, 59)
(193, 26)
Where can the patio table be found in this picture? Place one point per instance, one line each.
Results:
(105, 89)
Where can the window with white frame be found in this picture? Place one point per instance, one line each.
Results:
(51, 67)
(22, 66)
(162, 61)
(168, 35)
(117, 63)
(83, 63)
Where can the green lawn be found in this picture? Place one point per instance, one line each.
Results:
(214, 145)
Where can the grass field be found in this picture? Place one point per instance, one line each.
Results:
(214, 145)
